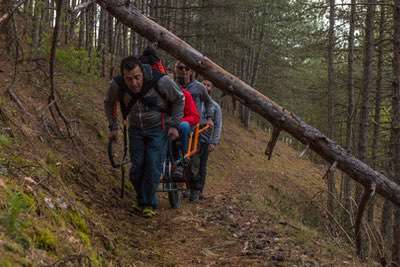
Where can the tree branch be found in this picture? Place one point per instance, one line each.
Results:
(7, 15)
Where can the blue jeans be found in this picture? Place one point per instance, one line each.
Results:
(147, 151)
(184, 132)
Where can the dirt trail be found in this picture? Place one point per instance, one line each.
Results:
(232, 227)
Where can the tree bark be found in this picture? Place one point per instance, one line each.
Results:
(367, 79)
(378, 101)
(256, 101)
(365, 93)
(37, 12)
(347, 187)
(331, 102)
(82, 26)
(90, 28)
(395, 131)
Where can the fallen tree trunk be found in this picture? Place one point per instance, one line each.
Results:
(257, 102)
(9, 12)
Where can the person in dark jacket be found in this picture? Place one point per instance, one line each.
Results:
(153, 105)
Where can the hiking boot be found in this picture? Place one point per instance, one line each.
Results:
(194, 195)
(177, 174)
(137, 207)
(149, 212)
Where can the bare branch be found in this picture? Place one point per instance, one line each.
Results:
(272, 142)
(367, 195)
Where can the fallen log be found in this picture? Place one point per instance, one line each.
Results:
(256, 101)
(11, 11)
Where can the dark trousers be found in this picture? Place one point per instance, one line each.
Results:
(199, 168)
(147, 151)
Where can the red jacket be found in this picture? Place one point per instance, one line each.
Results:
(159, 66)
(190, 113)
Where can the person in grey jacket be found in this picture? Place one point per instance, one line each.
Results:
(184, 76)
(209, 139)
(153, 105)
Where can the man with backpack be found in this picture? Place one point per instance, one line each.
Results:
(153, 105)
(191, 116)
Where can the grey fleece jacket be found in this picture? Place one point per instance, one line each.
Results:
(213, 136)
(200, 97)
(141, 116)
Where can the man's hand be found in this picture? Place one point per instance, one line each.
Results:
(112, 136)
(211, 147)
(210, 123)
(173, 133)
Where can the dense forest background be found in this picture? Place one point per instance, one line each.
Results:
(333, 63)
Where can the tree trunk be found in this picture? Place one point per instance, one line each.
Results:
(124, 41)
(367, 79)
(365, 98)
(37, 12)
(82, 26)
(72, 24)
(257, 102)
(347, 187)
(66, 22)
(90, 28)
(110, 38)
(102, 47)
(378, 100)
(395, 130)
(331, 102)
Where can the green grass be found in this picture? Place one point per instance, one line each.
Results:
(45, 239)
(78, 221)
(13, 218)
(5, 140)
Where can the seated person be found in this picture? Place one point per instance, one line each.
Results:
(190, 119)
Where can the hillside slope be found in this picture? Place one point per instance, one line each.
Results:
(60, 206)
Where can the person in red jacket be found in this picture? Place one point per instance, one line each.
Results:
(191, 118)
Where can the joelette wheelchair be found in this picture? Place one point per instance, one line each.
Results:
(173, 159)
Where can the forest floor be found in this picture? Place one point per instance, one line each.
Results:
(60, 205)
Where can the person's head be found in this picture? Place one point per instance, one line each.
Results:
(132, 72)
(150, 57)
(183, 73)
(208, 85)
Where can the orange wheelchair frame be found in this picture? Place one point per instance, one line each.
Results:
(193, 143)
(167, 183)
